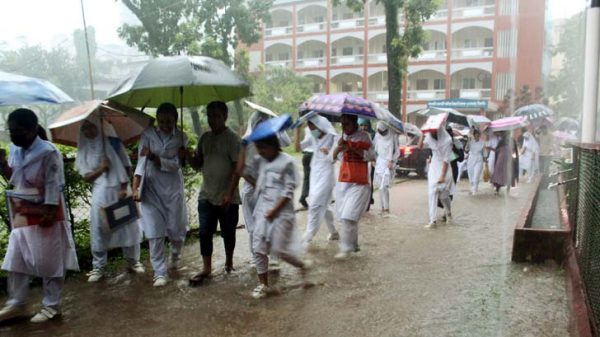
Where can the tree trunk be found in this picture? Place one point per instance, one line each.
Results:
(239, 109)
(392, 40)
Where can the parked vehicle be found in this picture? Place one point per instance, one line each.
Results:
(413, 159)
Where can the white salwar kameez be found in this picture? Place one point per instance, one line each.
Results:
(352, 199)
(387, 150)
(530, 157)
(163, 208)
(492, 144)
(475, 163)
(441, 149)
(105, 192)
(322, 179)
(276, 180)
(36, 251)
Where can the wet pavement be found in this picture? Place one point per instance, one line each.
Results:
(456, 280)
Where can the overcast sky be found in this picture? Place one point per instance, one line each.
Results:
(51, 22)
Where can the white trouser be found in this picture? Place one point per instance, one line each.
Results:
(444, 198)
(18, 290)
(491, 162)
(384, 196)
(158, 254)
(475, 171)
(316, 214)
(131, 254)
(349, 236)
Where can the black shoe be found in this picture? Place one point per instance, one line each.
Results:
(303, 203)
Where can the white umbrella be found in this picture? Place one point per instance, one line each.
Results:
(129, 123)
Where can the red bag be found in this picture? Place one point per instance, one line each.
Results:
(354, 169)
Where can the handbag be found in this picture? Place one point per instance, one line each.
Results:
(486, 173)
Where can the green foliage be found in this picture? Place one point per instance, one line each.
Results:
(280, 89)
(565, 88)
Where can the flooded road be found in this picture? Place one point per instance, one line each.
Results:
(456, 280)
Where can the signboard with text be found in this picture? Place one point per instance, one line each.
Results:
(459, 103)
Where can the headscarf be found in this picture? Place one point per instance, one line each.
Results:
(323, 124)
(90, 153)
(386, 146)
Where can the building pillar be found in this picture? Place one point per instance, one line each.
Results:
(590, 81)
(366, 51)
(328, 49)
(449, 51)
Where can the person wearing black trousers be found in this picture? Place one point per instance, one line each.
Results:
(307, 154)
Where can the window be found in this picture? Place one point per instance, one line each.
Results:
(426, 46)
(284, 56)
(300, 54)
(422, 84)
(439, 84)
(347, 51)
(347, 87)
(317, 54)
(488, 42)
(439, 45)
(360, 50)
(334, 52)
(319, 19)
(384, 48)
(283, 24)
(470, 43)
(348, 16)
(486, 83)
(468, 83)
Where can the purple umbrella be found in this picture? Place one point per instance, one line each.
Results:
(339, 104)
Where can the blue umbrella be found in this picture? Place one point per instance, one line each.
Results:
(268, 128)
(19, 90)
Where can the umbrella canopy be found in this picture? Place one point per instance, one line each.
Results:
(388, 118)
(18, 89)
(534, 111)
(565, 136)
(478, 121)
(411, 129)
(567, 123)
(453, 115)
(269, 128)
(340, 104)
(508, 123)
(128, 123)
(260, 108)
(184, 80)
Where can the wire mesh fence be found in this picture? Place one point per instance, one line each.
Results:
(583, 198)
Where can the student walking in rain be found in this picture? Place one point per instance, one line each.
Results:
(322, 181)
(475, 148)
(105, 164)
(274, 213)
(353, 187)
(387, 150)
(158, 185)
(44, 248)
(439, 175)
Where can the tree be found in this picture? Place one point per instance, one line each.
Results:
(168, 27)
(400, 46)
(565, 88)
(280, 89)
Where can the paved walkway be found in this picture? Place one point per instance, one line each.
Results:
(456, 280)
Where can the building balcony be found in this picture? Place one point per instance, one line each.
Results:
(279, 63)
(377, 21)
(472, 93)
(432, 55)
(441, 14)
(379, 96)
(310, 62)
(311, 27)
(470, 53)
(426, 95)
(377, 58)
(278, 31)
(348, 24)
(347, 60)
(474, 11)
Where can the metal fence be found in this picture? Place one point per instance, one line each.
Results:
(583, 200)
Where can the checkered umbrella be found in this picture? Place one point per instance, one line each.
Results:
(340, 104)
(534, 111)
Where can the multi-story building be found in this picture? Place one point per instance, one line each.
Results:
(475, 50)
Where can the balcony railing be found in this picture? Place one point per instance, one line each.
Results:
(377, 21)
(278, 63)
(468, 53)
(349, 23)
(311, 27)
(441, 14)
(379, 96)
(278, 31)
(431, 55)
(475, 93)
(377, 58)
(424, 95)
(347, 60)
(310, 62)
(473, 11)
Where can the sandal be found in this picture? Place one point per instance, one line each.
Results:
(198, 279)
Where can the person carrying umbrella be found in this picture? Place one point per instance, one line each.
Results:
(475, 148)
(158, 185)
(322, 180)
(507, 160)
(105, 164)
(355, 150)
(217, 154)
(546, 141)
(43, 246)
